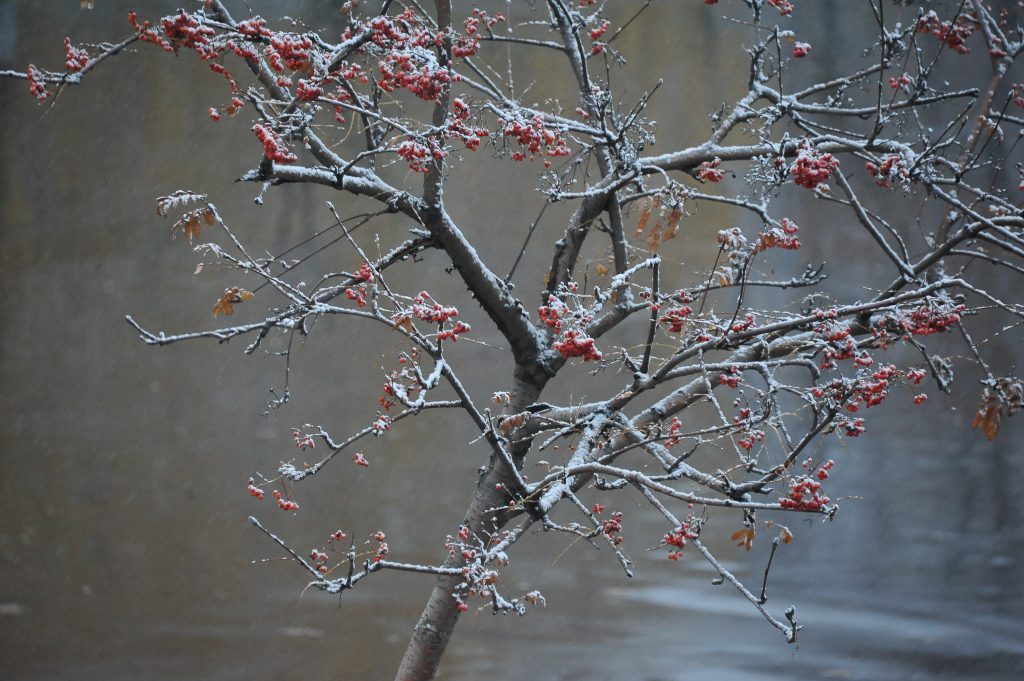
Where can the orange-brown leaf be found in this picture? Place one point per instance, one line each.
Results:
(601, 270)
(403, 321)
(226, 303)
(745, 537)
(987, 418)
(672, 226)
(654, 237)
(645, 215)
(786, 535)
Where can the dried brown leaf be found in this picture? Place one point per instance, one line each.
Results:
(649, 204)
(226, 303)
(654, 237)
(987, 418)
(672, 225)
(745, 537)
(601, 270)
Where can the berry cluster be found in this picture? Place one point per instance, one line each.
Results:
(893, 167)
(534, 137)
(678, 537)
(273, 147)
(284, 504)
(801, 50)
(811, 167)
(952, 34)
(674, 318)
(709, 172)
(805, 493)
(612, 527)
(75, 59)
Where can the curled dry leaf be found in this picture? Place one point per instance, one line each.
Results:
(987, 418)
(226, 303)
(193, 222)
(672, 225)
(403, 322)
(784, 533)
(601, 270)
(649, 204)
(745, 537)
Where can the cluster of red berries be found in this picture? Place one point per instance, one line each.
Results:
(284, 504)
(805, 493)
(427, 309)
(709, 172)
(303, 440)
(901, 82)
(731, 379)
(811, 167)
(674, 430)
(419, 156)
(678, 537)
(534, 137)
(319, 558)
(595, 35)
(953, 34)
(779, 238)
(749, 321)
(574, 343)
(674, 318)
(452, 334)
(752, 437)
(255, 491)
(36, 84)
(893, 167)
(273, 147)
(307, 91)
(469, 44)
(801, 50)
(381, 424)
(612, 527)
(75, 59)
(382, 546)
(459, 129)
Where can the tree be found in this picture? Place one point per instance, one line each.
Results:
(715, 382)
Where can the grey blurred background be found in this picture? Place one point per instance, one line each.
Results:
(124, 547)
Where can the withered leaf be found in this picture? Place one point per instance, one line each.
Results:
(672, 225)
(601, 270)
(226, 303)
(192, 222)
(402, 321)
(987, 418)
(645, 214)
(654, 237)
(745, 537)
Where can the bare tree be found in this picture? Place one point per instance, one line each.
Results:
(711, 400)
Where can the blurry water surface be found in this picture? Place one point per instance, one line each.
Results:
(124, 547)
